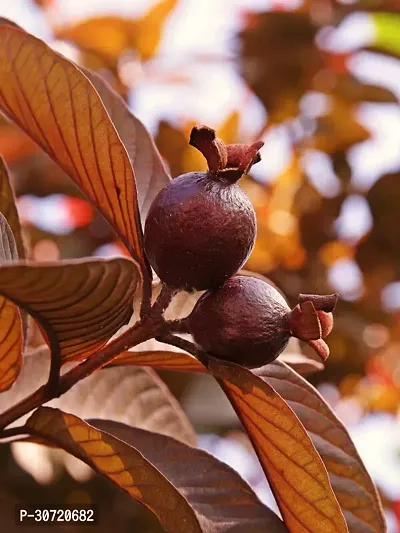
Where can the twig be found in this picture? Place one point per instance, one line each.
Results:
(146, 329)
(179, 325)
(13, 432)
(147, 278)
(163, 300)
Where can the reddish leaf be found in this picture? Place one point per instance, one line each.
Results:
(122, 464)
(292, 465)
(151, 174)
(80, 305)
(222, 501)
(9, 209)
(166, 357)
(350, 480)
(162, 359)
(10, 318)
(50, 98)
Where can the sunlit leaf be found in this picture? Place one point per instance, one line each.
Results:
(222, 501)
(153, 355)
(387, 35)
(9, 209)
(151, 174)
(228, 131)
(293, 467)
(110, 36)
(120, 463)
(50, 98)
(79, 305)
(166, 357)
(150, 28)
(350, 480)
(339, 129)
(172, 144)
(10, 319)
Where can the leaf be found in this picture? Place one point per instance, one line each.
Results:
(352, 90)
(166, 357)
(56, 105)
(109, 37)
(11, 337)
(387, 36)
(151, 174)
(293, 467)
(150, 28)
(279, 59)
(9, 209)
(79, 304)
(221, 499)
(135, 396)
(122, 464)
(8, 247)
(162, 359)
(339, 129)
(301, 364)
(350, 480)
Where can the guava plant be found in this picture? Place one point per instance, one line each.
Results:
(114, 321)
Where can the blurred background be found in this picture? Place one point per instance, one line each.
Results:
(319, 82)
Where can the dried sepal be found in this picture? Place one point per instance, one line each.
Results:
(229, 161)
(212, 147)
(312, 320)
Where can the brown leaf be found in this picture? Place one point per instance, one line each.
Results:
(120, 463)
(9, 209)
(163, 359)
(350, 480)
(166, 357)
(135, 396)
(339, 129)
(79, 304)
(151, 174)
(292, 465)
(279, 59)
(222, 501)
(11, 337)
(52, 101)
(300, 363)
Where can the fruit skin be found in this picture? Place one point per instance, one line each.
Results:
(246, 322)
(199, 231)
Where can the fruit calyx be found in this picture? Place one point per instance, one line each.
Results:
(312, 320)
(228, 161)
